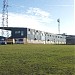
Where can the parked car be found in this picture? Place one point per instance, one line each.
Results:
(2, 40)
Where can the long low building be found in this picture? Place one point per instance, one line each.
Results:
(27, 35)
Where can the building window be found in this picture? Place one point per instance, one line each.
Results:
(50, 35)
(28, 29)
(22, 33)
(35, 39)
(48, 40)
(56, 36)
(42, 34)
(60, 37)
(33, 33)
(54, 40)
(17, 32)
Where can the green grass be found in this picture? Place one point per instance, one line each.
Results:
(37, 59)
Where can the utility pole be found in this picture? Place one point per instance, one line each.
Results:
(58, 20)
(5, 17)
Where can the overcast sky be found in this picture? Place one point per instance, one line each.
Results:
(41, 15)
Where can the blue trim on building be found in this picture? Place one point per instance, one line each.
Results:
(19, 33)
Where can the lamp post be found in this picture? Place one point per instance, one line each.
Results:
(58, 20)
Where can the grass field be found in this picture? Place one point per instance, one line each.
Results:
(37, 59)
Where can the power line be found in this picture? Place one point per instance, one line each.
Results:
(5, 17)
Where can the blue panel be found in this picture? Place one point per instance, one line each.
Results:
(19, 33)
